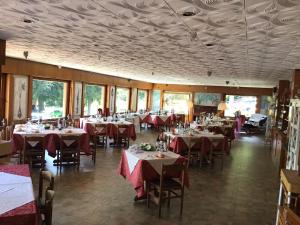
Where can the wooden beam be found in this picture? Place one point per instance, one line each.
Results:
(2, 52)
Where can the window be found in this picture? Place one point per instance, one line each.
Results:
(122, 99)
(142, 100)
(177, 102)
(245, 104)
(155, 100)
(93, 98)
(48, 99)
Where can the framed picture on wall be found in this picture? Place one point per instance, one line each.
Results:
(77, 98)
(207, 99)
(112, 97)
(20, 97)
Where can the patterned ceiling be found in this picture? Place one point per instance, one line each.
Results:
(248, 42)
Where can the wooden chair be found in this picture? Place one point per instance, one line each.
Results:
(169, 186)
(34, 151)
(216, 149)
(69, 151)
(123, 135)
(46, 182)
(46, 214)
(101, 134)
(93, 147)
(194, 150)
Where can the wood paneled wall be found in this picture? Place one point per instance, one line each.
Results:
(2, 52)
(36, 69)
(215, 89)
(46, 71)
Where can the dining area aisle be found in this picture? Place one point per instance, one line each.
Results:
(244, 192)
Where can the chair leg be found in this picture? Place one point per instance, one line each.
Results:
(181, 202)
(159, 204)
(147, 192)
(169, 199)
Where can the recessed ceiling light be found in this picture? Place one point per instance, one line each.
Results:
(27, 21)
(209, 44)
(188, 13)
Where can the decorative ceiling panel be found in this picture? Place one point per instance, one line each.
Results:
(247, 42)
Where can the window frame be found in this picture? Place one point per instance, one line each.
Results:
(83, 97)
(190, 94)
(66, 96)
(129, 97)
(137, 97)
(244, 95)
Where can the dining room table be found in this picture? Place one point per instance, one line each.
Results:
(112, 127)
(17, 202)
(139, 166)
(180, 141)
(162, 120)
(52, 137)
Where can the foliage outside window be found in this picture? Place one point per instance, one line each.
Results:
(142, 100)
(245, 104)
(93, 98)
(122, 99)
(177, 102)
(155, 100)
(48, 99)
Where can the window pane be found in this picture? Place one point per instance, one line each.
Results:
(122, 99)
(142, 100)
(93, 98)
(155, 100)
(245, 104)
(177, 102)
(48, 99)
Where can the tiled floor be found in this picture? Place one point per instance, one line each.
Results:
(245, 192)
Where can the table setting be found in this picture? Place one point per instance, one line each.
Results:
(141, 163)
(52, 136)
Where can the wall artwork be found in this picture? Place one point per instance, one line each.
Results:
(207, 99)
(20, 97)
(77, 98)
(112, 96)
(133, 99)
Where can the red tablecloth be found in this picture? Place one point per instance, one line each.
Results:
(26, 214)
(157, 121)
(146, 119)
(51, 143)
(112, 130)
(179, 146)
(142, 172)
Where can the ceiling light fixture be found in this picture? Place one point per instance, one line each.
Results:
(25, 53)
(188, 13)
(27, 21)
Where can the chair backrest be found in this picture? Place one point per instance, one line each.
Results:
(34, 143)
(217, 130)
(175, 171)
(69, 141)
(123, 130)
(8, 132)
(161, 136)
(46, 179)
(49, 206)
(101, 128)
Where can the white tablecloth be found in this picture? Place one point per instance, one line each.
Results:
(134, 156)
(15, 191)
